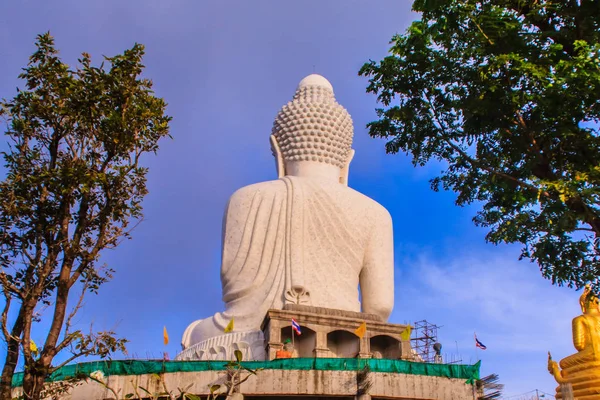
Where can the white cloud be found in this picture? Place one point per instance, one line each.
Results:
(515, 312)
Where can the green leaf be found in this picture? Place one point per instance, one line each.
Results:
(238, 355)
(145, 390)
(156, 376)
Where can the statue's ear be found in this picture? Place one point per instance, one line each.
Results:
(278, 157)
(346, 168)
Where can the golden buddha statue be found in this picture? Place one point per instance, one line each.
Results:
(582, 369)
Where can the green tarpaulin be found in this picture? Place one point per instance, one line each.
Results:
(140, 367)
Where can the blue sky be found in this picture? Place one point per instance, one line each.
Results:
(225, 68)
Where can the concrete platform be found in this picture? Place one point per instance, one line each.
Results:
(286, 384)
(328, 333)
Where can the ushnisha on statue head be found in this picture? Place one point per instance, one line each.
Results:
(313, 132)
(588, 301)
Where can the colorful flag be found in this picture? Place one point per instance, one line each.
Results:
(165, 336)
(361, 330)
(32, 347)
(479, 344)
(405, 335)
(296, 327)
(229, 327)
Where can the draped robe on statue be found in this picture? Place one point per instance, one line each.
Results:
(294, 240)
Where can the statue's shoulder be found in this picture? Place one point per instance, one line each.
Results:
(591, 320)
(581, 320)
(260, 188)
(374, 210)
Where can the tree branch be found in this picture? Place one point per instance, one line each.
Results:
(72, 358)
(474, 162)
(82, 222)
(76, 308)
(4, 321)
(478, 164)
(7, 285)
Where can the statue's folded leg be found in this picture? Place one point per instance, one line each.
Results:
(584, 356)
(200, 330)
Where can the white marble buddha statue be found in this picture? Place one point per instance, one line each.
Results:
(305, 238)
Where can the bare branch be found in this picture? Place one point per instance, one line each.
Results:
(583, 230)
(75, 309)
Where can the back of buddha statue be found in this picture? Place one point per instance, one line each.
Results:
(307, 240)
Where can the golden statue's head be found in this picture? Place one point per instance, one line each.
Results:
(584, 296)
(591, 304)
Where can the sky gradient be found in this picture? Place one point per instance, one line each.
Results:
(225, 68)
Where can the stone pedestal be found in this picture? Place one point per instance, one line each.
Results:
(329, 333)
(270, 384)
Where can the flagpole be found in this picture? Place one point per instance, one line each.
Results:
(293, 346)
(368, 341)
(476, 351)
(165, 342)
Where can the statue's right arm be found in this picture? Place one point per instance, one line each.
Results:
(236, 221)
(377, 275)
(579, 333)
(555, 370)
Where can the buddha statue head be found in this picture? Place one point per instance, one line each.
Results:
(592, 304)
(584, 296)
(312, 134)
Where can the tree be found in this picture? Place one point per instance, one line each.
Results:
(506, 93)
(73, 188)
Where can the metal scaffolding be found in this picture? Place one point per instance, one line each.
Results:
(425, 335)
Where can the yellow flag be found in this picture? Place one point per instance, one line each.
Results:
(405, 335)
(32, 347)
(361, 330)
(165, 336)
(229, 327)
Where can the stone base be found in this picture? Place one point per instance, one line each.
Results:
(251, 344)
(284, 384)
(329, 333)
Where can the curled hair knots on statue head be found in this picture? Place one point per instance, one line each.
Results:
(314, 126)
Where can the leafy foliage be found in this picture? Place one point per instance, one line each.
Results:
(74, 184)
(233, 379)
(507, 94)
